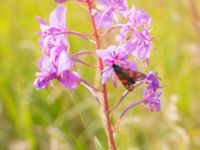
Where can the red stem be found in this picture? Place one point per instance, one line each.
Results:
(108, 125)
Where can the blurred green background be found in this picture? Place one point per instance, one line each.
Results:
(55, 119)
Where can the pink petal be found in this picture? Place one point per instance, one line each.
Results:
(43, 24)
(70, 80)
(132, 66)
(58, 17)
(106, 75)
(103, 19)
(64, 62)
(45, 65)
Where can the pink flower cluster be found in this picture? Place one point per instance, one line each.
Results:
(55, 63)
(134, 44)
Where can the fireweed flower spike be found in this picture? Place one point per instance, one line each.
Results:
(134, 43)
(56, 63)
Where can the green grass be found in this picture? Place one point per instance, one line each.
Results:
(56, 119)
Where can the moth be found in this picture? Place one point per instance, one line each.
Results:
(127, 76)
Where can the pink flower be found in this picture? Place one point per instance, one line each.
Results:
(114, 55)
(52, 40)
(109, 10)
(150, 94)
(55, 64)
(138, 18)
(136, 33)
(59, 71)
(151, 101)
(141, 46)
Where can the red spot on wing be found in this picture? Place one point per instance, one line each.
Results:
(124, 81)
(131, 74)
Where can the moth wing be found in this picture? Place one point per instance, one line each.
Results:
(128, 77)
(139, 76)
(129, 81)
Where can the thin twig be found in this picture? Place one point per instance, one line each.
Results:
(82, 62)
(84, 35)
(123, 96)
(120, 100)
(125, 111)
(85, 82)
(91, 90)
(129, 107)
(111, 29)
(82, 53)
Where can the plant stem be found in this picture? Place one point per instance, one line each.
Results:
(108, 125)
(125, 111)
(129, 107)
(119, 101)
(123, 96)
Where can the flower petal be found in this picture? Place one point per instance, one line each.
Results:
(152, 105)
(103, 19)
(44, 64)
(41, 83)
(133, 66)
(70, 80)
(106, 2)
(114, 80)
(58, 17)
(64, 63)
(43, 25)
(43, 79)
(106, 74)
